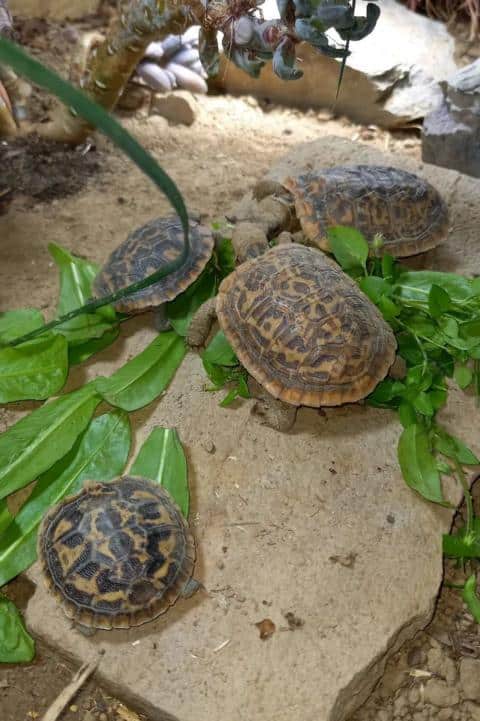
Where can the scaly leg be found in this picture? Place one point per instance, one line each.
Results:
(272, 412)
(201, 324)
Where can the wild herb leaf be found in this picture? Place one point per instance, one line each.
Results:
(462, 544)
(463, 376)
(225, 254)
(407, 415)
(439, 302)
(470, 597)
(418, 463)
(16, 645)
(219, 351)
(5, 516)
(34, 370)
(348, 246)
(76, 277)
(162, 459)
(181, 310)
(143, 378)
(452, 447)
(18, 322)
(413, 287)
(100, 454)
(38, 440)
(375, 287)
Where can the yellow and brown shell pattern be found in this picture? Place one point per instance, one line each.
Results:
(406, 210)
(146, 250)
(117, 554)
(303, 329)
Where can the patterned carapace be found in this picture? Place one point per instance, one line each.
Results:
(303, 329)
(146, 250)
(117, 554)
(406, 210)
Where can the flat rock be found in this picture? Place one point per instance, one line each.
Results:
(271, 513)
(381, 85)
(178, 107)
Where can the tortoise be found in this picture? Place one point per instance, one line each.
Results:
(303, 330)
(117, 554)
(144, 251)
(404, 210)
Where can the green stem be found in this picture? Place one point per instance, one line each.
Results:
(468, 496)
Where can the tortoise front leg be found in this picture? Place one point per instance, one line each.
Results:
(272, 412)
(201, 324)
(160, 318)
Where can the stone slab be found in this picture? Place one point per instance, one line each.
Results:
(276, 517)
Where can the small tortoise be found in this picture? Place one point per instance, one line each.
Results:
(405, 210)
(117, 554)
(302, 329)
(144, 251)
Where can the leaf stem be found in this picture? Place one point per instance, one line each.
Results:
(466, 492)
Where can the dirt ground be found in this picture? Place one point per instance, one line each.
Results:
(214, 162)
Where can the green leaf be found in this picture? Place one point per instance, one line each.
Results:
(388, 308)
(419, 376)
(16, 645)
(38, 440)
(5, 516)
(439, 302)
(33, 371)
(80, 352)
(470, 597)
(225, 257)
(14, 323)
(162, 459)
(99, 454)
(463, 376)
(452, 447)
(181, 310)
(143, 378)
(417, 463)
(219, 351)
(407, 414)
(413, 287)
(348, 246)
(389, 269)
(375, 287)
(76, 277)
(422, 404)
(385, 392)
(461, 545)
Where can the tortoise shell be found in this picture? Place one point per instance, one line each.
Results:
(406, 210)
(144, 251)
(303, 329)
(117, 554)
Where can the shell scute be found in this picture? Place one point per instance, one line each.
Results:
(405, 209)
(303, 329)
(117, 554)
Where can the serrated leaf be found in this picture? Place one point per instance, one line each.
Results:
(99, 454)
(162, 459)
(76, 277)
(348, 246)
(219, 351)
(16, 645)
(143, 378)
(463, 376)
(15, 323)
(181, 310)
(417, 463)
(439, 302)
(33, 371)
(38, 440)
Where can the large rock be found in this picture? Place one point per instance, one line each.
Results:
(382, 84)
(275, 517)
(451, 132)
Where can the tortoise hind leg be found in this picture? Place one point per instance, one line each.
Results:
(201, 324)
(271, 412)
